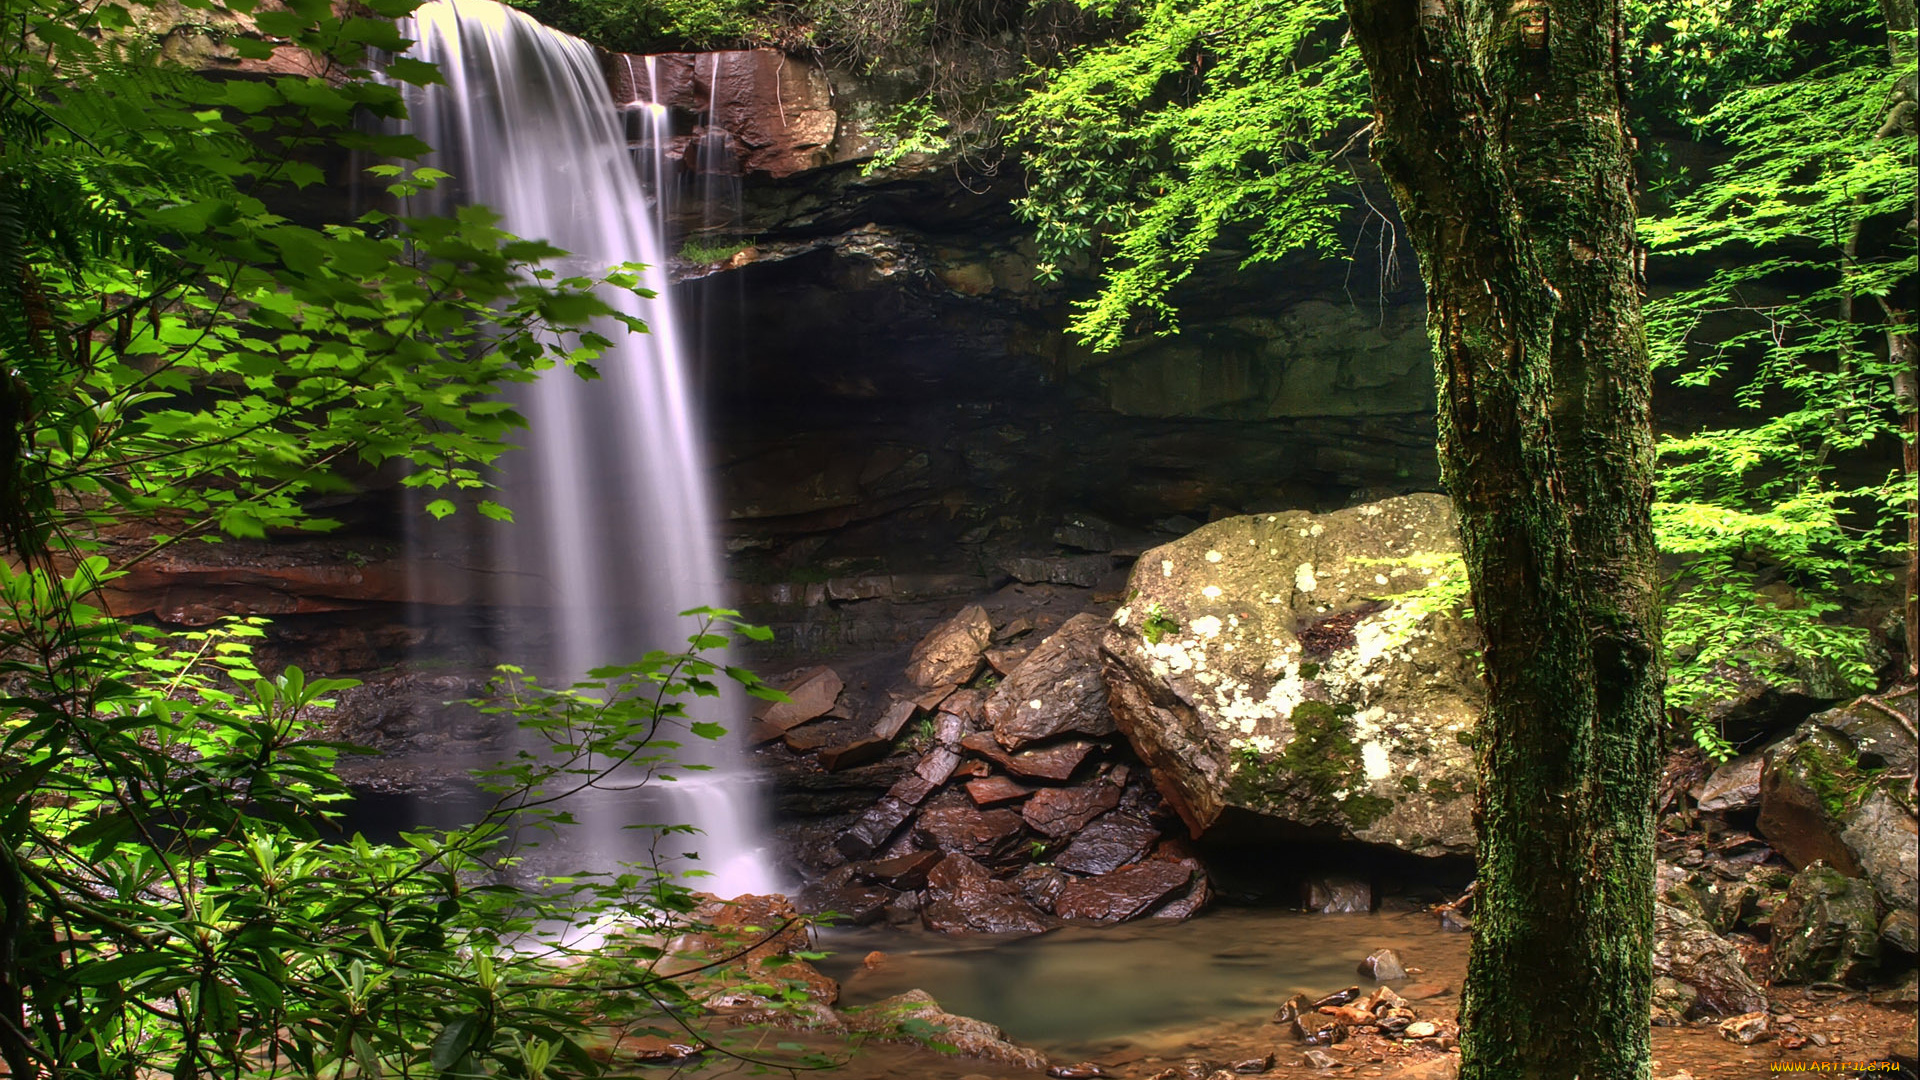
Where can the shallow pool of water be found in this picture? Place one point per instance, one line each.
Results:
(1081, 986)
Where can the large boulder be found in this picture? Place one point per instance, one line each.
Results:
(1302, 668)
(1828, 930)
(916, 1017)
(1838, 790)
(963, 897)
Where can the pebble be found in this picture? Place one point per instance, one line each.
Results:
(1420, 1029)
(1382, 965)
(1083, 1070)
(874, 959)
(1319, 1060)
(1254, 1065)
(1745, 1029)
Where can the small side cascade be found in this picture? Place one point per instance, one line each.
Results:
(615, 531)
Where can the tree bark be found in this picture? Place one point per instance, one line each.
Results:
(1501, 130)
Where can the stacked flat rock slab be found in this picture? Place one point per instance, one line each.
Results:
(1007, 776)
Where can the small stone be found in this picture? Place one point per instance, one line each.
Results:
(1745, 1029)
(1455, 923)
(937, 765)
(950, 654)
(1338, 997)
(1293, 1007)
(1382, 965)
(1253, 1065)
(1077, 1071)
(1421, 1029)
(903, 871)
(873, 960)
(1319, 1060)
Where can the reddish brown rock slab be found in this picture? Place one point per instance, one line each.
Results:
(1054, 762)
(929, 699)
(950, 654)
(968, 704)
(1005, 659)
(808, 738)
(1197, 896)
(1124, 894)
(861, 751)
(1059, 690)
(1059, 812)
(1108, 843)
(957, 826)
(811, 692)
(994, 790)
(894, 719)
(874, 828)
(962, 897)
(911, 790)
(937, 765)
(902, 871)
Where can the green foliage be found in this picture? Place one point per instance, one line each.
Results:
(1808, 287)
(915, 128)
(1214, 115)
(656, 25)
(1157, 624)
(188, 911)
(696, 250)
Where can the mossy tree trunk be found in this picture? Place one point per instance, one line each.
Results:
(1500, 127)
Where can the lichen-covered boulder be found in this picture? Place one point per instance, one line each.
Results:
(1303, 668)
(1828, 930)
(1837, 791)
(916, 1017)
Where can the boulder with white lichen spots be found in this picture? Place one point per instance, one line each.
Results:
(1309, 670)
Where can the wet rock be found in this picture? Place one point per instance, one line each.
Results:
(1733, 786)
(850, 755)
(888, 1019)
(1056, 761)
(1901, 931)
(950, 654)
(911, 789)
(1294, 1007)
(1382, 965)
(1059, 690)
(1338, 998)
(962, 897)
(969, 705)
(902, 871)
(1905, 995)
(1041, 885)
(1209, 675)
(874, 828)
(956, 826)
(1453, 922)
(894, 719)
(812, 691)
(1080, 571)
(1673, 1000)
(1885, 840)
(1083, 1070)
(1339, 896)
(1198, 895)
(1745, 1029)
(937, 765)
(1318, 1060)
(1825, 777)
(1827, 930)
(1006, 659)
(1253, 1066)
(856, 903)
(1108, 843)
(1123, 894)
(1766, 686)
(1421, 1029)
(994, 790)
(1687, 950)
(1059, 812)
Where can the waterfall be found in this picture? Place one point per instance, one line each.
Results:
(615, 524)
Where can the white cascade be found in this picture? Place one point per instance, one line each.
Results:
(615, 523)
